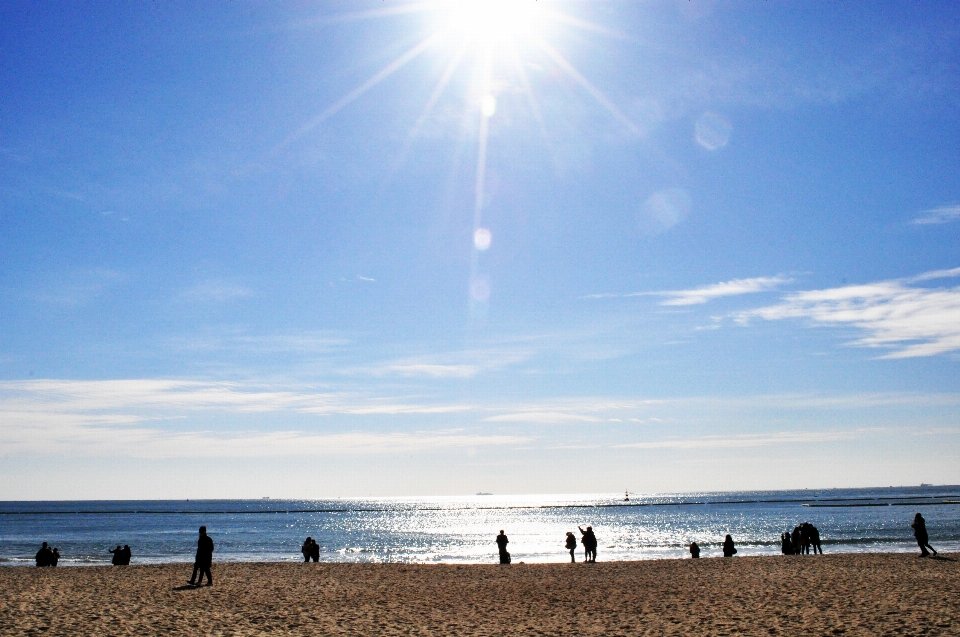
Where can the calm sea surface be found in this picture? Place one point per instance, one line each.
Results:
(462, 529)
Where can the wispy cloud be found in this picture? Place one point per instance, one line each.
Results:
(941, 214)
(77, 287)
(734, 287)
(913, 321)
(217, 291)
(706, 293)
(752, 440)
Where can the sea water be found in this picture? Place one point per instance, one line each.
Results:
(462, 529)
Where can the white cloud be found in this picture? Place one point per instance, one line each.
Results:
(913, 321)
(751, 440)
(942, 214)
(734, 287)
(703, 294)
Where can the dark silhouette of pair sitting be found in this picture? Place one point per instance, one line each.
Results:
(204, 559)
(47, 556)
(920, 532)
(729, 550)
(502, 542)
(121, 556)
(589, 541)
(310, 550)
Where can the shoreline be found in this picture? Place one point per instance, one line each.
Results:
(835, 593)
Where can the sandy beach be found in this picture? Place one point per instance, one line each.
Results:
(882, 594)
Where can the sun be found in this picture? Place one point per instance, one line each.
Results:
(490, 24)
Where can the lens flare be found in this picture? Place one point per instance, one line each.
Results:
(481, 239)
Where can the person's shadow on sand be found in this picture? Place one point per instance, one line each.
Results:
(186, 587)
(942, 558)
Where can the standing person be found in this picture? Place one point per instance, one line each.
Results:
(589, 541)
(314, 551)
(55, 556)
(502, 542)
(117, 559)
(44, 556)
(694, 550)
(204, 559)
(920, 532)
(306, 549)
(729, 550)
(571, 546)
(815, 540)
(127, 554)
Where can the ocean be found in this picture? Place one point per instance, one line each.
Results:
(462, 529)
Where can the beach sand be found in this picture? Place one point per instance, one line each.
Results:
(881, 594)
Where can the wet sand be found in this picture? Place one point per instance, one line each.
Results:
(881, 594)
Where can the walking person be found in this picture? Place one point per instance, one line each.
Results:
(502, 542)
(729, 550)
(571, 546)
(920, 532)
(204, 559)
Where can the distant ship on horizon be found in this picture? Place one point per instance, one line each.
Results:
(483, 493)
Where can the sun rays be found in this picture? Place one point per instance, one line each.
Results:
(494, 41)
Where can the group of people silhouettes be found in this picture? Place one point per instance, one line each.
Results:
(47, 556)
(121, 556)
(804, 539)
(587, 538)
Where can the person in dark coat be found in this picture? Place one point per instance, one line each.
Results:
(127, 554)
(815, 540)
(44, 556)
(117, 559)
(694, 550)
(314, 551)
(786, 546)
(920, 532)
(55, 557)
(729, 550)
(306, 549)
(571, 545)
(589, 541)
(204, 559)
(502, 542)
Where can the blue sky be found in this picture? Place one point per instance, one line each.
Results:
(393, 248)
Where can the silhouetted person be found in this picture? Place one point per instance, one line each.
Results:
(204, 559)
(589, 541)
(127, 554)
(694, 550)
(815, 540)
(117, 559)
(795, 540)
(315, 551)
(729, 550)
(502, 542)
(44, 555)
(306, 549)
(920, 532)
(571, 545)
(55, 556)
(786, 546)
